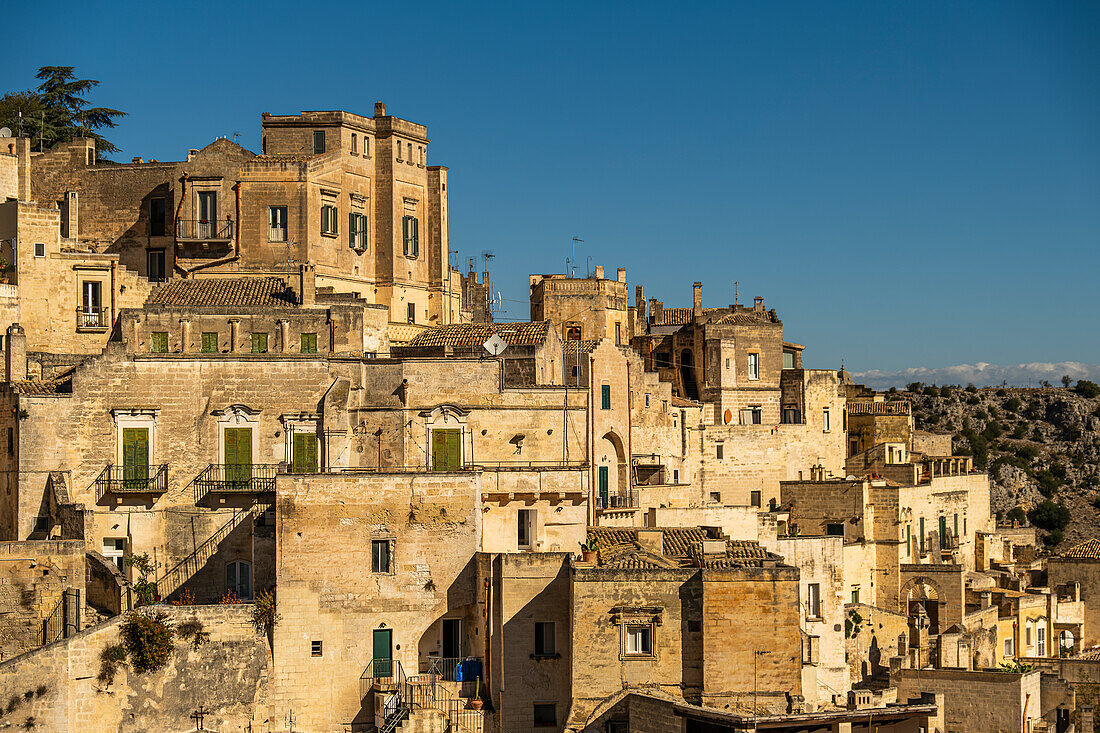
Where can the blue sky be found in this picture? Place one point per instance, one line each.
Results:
(910, 184)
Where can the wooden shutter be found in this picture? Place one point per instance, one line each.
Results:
(238, 454)
(304, 459)
(405, 229)
(416, 236)
(351, 228)
(446, 450)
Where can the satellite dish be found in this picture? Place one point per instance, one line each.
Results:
(5, 132)
(495, 345)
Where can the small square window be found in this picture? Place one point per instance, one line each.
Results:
(316, 648)
(380, 556)
(259, 343)
(719, 450)
(639, 640)
(210, 342)
(545, 714)
(855, 595)
(544, 639)
(159, 342)
(39, 249)
(754, 498)
(716, 497)
(309, 343)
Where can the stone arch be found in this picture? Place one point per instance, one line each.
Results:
(612, 467)
(921, 593)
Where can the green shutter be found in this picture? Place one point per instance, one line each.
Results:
(405, 229)
(446, 450)
(922, 535)
(351, 228)
(304, 459)
(605, 485)
(159, 342)
(605, 392)
(309, 343)
(135, 454)
(259, 343)
(238, 455)
(210, 343)
(416, 237)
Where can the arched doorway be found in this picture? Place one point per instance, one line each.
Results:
(922, 599)
(612, 470)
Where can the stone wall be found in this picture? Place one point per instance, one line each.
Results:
(1086, 571)
(986, 702)
(33, 576)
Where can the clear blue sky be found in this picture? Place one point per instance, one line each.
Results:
(908, 183)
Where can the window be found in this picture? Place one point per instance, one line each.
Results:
(92, 302)
(647, 400)
(366, 146)
(662, 360)
(114, 549)
(675, 475)
(357, 230)
(318, 142)
(1041, 640)
(157, 210)
(446, 449)
(719, 451)
(410, 226)
(316, 648)
(276, 224)
(605, 396)
(944, 542)
(813, 600)
(754, 498)
(1027, 634)
(210, 342)
(354, 143)
(544, 639)
(753, 415)
(921, 535)
(154, 265)
(639, 640)
(259, 343)
(825, 420)
(524, 527)
(1008, 647)
(790, 416)
(572, 333)
(574, 372)
(545, 714)
(309, 343)
(855, 595)
(754, 366)
(618, 334)
(208, 214)
(956, 525)
(39, 249)
(811, 649)
(410, 312)
(399, 151)
(727, 363)
(788, 360)
(716, 497)
(328, 219)
(834, 529)
(11, 441)
(908, 539)
(238, 578)
(380, 556)
(158, 342)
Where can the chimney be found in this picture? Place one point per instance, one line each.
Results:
(656, 309)
(379, 109)
(758, 304)
(620, 274)
(71, 214)
(599, 272)
(23, 153)
(15, 353)
(307, 289)
(639, 302)
(697, 300)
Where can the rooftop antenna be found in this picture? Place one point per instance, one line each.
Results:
(736, 293)
(236, 135)
(486, 257)
(573, 261)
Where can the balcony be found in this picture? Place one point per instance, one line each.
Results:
(126, 481)
(204, 230)
(448, 669)
(219, 480)
(92, 319)
(618, 501)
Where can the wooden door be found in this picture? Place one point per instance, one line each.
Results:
(238, 455)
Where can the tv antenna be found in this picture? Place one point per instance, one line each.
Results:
(736, 293)
(573, 260)
(487, 256)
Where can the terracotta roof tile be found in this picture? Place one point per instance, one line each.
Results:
(1089, 549)
(38, 387)
(673, 317)
(250, 292)
(476, 334)
(683, 547)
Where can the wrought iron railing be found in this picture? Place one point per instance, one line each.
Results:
(205, 230)
(53, 626)
(235, 478)
(618, 501)
(452, 669)
(419, 692)
(276, 234)
(380, 673)
(131, 480)
(92, 318)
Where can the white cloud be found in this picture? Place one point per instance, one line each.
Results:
(981, 374)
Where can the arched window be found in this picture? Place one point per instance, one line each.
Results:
(238, 578)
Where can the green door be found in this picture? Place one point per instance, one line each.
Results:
(446, 450)
(135, 458)
(604, 485)
(304, 459)
(238, 457)
(383, 653)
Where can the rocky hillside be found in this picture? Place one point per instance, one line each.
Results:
(1040, 446)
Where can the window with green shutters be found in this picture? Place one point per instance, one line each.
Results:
(304, 458)
(309, 343)
(318, 142)
(605, 394)
(411, 229)
(943, 533)
(237, 443)
(921, 535)
(135, 457)
(329, 213)
(159, 342)
(446, 450)
(259, 343)
(357, 230)
(210, 343)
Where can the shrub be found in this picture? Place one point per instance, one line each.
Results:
(1013, 404)
(1001, 393)
(1037, 435)
(946, 391)
(185, 598)
(1053, 538)
(1017, 515)
(145, 590)
(971, 388)
(265, 614)
(110, 659)
(915, 386)
(230, 599)
(1088, 389)
(1049, 516)
(193, 631)
(932, 391)
(148, 639)
(1020, 432)
(1028, 452)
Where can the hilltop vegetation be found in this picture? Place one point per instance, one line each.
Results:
(1040, 446)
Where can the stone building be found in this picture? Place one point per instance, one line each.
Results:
(586, 308)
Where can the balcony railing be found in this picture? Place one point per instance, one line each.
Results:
(245, 478)
(276, 234)
(204, 230)
(618, 501)
(92, 318)
(120, 480)
(452, 669)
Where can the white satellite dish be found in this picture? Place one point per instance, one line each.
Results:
(5, 132)
(495, 345)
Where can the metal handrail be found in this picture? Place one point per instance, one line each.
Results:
(92, 317)
(53, 626)
(204, 229)
(231, 478)
(629, 500)
(444, 668)
(131, 480)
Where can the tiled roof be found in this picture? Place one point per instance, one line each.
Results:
(683, 547)
(631, 556)
(251, 292)
(673, 317)
(1089, 549)
(742, 318)
(476, 334)
(38, 387)
(587, 346)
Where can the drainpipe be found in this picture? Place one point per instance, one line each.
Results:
(629, 431)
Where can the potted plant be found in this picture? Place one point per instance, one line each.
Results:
(475, 702)
(4, 267)
(588, 550)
